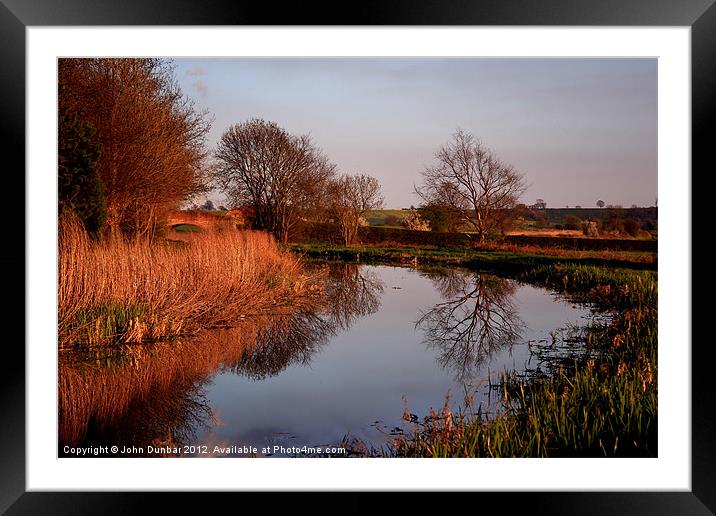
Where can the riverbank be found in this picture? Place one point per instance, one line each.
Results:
(497, 258)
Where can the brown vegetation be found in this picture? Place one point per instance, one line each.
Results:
(118, 289)
(606, 254)
(283, 177)
(548, 232)
(152, 139)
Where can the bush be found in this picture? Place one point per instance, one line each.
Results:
(572, 222)
(380, 235)
(416, 222)
(631, 227)
(80, 188)
(329, 233)
(584, 244)
(441, 218)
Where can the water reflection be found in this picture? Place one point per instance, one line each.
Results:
(478, 318)
(155, 395)
(294, 340)
(352, 292)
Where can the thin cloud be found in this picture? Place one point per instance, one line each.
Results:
(201, 87)
(196, 72)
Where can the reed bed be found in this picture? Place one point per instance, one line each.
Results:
(117, 290)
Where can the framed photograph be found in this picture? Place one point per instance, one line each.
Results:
(424, 240)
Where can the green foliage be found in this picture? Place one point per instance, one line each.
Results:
(80, 188)
(440, 217)
(107, 322)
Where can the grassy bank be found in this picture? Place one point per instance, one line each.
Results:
(604, 404)
(117, 290)
(504, 258)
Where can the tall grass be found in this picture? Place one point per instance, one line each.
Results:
(119, 290)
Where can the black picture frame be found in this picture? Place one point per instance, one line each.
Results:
(16, 15)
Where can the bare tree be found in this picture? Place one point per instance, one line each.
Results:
(152, 137)
(540, 204)
(352, 196)
(600, 203)
(282, 176)
(473, 182)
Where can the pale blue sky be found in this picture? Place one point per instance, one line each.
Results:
(579, 129)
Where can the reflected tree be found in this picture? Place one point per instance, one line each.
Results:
(283, 341)
(477, 319)
(351, 292)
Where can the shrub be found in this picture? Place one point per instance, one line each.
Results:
(572, 222)
(631, 227)
(80, 188)
(415, 222)
(441, 218)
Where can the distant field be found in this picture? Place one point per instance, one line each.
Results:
(554, 216)
(377, 217)
(547, 232)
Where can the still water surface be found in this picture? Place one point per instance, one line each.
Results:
(387, 339)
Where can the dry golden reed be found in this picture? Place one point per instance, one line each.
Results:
(119, 290)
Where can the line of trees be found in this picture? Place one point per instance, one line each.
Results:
(287, 180)
(132, 147)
